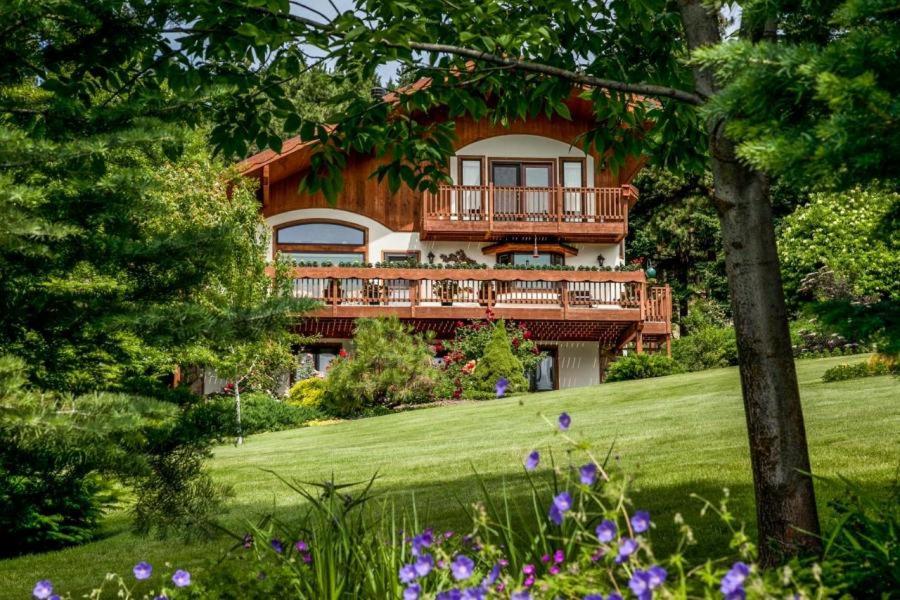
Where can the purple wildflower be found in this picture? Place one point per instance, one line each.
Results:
(733, 582)
(462, 567)
(473, 593)
(521, 595)
(606, 531)
(563, 501)
(161, 597)
(545, 558)
(555, 515)
(532, 460)
(422, 541)
(142, 570)
(42, 589)
(640, 584)
(593, 597)
(412, 592)
(588, 474)
(627, 546)
(181, 578)
(301, 546)
(657, 576)
(407, 573)
(528, 569)
(614, 596)
(529, 581)
(248, 540)
(554, 570)
(423, 565)
(492, 576)
(564, 421)
(501, 386)
(277, 545)
(559, 556)
(453, 594)
(640, 521)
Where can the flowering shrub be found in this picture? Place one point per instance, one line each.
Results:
(876, 365)
(582, 540)
(468, 347)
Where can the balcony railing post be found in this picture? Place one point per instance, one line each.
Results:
(490, 207)
(642, 300)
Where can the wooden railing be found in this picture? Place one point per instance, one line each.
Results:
(529, 204)
(467, 293)
(556, 210)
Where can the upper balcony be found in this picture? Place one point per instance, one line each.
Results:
(485, 212)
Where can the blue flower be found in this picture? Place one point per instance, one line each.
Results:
(564, 421)
(42, 589)
(492, 576)
(614, 596)
(462, 567)
(627, 546)
(640, 584)
(423, 565)
(407, 573)
(732, 585)
(501, 386)
(606, 531)
(453, 594)
(532, 460)
(588, 474)
(593, 597)
(555, 514)
(520, 595)
(181, 578)
(412, 592)
(474, 593)
(277, 546)
(640, 521)
(563, 501)
(422, 541)
(657, 576)
(142, 570)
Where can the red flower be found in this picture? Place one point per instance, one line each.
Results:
(515, 342)
(459, 323)
(342, 353)
(526, 334)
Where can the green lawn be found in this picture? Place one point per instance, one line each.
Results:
(679, 434)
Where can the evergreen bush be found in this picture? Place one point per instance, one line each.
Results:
(499, 362)
(307, 392)
(642, 366)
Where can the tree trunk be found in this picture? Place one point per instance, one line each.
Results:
(237, 405)
(786, 513)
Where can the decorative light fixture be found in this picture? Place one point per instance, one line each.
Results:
(651, 272)
(430, 256)
(536, 254)
(600, 260)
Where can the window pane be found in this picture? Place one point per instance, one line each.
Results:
(471, 172)
(524, 259)
(335, 257)
(572, 174)
(321, 233)
(400, 257)
(537, 176)
(506, 175)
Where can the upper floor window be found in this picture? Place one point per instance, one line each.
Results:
(524, 259)
(322, 241)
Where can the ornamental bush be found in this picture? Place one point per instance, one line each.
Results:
(706, 348)
(498, 363)
(307, 392)
(260, 412)
(388, 366)
(876, 365)
(642, 366)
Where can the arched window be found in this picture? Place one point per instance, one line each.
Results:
(322, 240)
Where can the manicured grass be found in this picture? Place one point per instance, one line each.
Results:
(678, 435)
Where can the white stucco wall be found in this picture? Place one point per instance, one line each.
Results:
(382, 239)
(521, 146)
(579, 364)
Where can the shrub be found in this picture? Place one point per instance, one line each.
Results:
(878, 364)
(706, 348)
(260, 412)
(498, 363)
(307, 392)
(641, 366)
(389, 366)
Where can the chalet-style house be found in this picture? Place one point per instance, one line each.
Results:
(525, 202)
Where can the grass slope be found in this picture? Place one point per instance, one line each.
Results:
(678, 434)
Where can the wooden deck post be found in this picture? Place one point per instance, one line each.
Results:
(639, 342)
